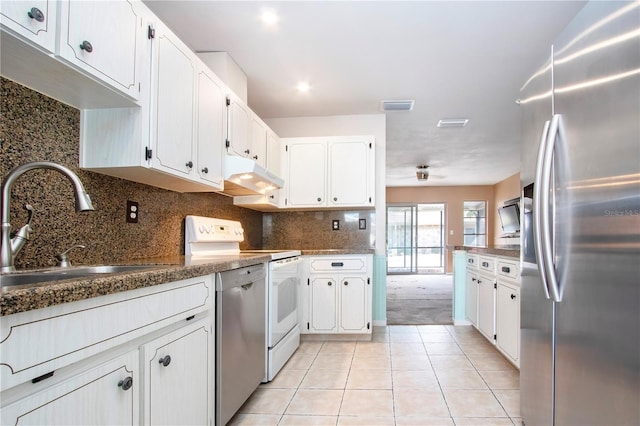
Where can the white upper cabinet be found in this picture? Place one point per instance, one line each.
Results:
(85, 53)
(211, 127)
(305, 172)
(350, 177)
(331, 172)
(32, 20)
(239, 129)
(103, 39)
(172, 129)
(175, 139)
(258, 141)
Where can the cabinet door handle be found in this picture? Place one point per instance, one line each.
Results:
(485, 264)
(86, 46)
(319, 199)
(165, 360)
(335, 198)
(126, 383)
(189, 164)
(513, 296)
(272, 196)
(255, 157)
(246, 151)
(205, 170)
(329, 283)
(506, 269)
(346, 283)
(334, 264)
(474, 279)
(479, 281)
(36, 14)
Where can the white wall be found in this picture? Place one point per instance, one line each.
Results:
(347, 125)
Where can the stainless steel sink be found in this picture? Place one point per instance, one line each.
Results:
(57, 274)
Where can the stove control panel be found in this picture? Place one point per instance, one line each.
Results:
(199, 229)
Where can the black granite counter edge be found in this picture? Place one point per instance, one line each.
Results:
(24, 298)
(329, 252)
(496, 251)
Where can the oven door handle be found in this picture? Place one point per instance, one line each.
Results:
(283, 263)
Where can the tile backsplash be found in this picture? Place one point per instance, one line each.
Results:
(34, 127)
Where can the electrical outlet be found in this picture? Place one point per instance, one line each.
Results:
(362, 224)
(335, 224)
(133, 211)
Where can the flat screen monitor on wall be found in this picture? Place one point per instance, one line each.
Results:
(510, 218)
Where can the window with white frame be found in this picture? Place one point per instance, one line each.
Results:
(475, 223)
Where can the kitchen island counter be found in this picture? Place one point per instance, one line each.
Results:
(21, 298)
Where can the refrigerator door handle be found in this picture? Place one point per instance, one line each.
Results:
(537, 216)
(545, 221)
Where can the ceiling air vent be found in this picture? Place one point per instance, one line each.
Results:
(453, 122)
(396, 105)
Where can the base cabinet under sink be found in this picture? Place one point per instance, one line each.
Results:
(142, 356)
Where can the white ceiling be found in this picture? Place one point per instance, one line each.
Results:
(456, 59)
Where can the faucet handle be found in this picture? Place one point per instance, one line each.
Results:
(63, 259)
(30, 211)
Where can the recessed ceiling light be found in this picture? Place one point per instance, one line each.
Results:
(269, 17)
(453, 122)
(303, 87)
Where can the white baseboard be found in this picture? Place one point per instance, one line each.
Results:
(462, 322)
(379, 323)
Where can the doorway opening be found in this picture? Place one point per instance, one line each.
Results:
(415, 239)
(418, 291)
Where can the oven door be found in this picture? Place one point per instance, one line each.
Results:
(283, 297)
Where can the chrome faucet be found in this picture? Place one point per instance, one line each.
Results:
(11, 246)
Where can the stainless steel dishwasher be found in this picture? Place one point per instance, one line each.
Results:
(240, 337)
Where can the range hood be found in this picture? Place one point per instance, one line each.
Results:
(243, 176)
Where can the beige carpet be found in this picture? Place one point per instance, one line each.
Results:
(419, 299)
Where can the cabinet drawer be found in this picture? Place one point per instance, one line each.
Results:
(63, 334)
(487, 264)
(98, 396)
(508, 269)
(472, 261)
(338, 264)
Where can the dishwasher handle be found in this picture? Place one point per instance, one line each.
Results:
(240, 277)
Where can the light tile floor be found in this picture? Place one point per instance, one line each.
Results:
(406, 375)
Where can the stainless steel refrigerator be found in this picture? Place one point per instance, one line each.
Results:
(580, 253)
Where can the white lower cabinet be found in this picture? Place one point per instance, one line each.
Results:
(143, 356)
(508, 320)
(338, 299)
(323, 312)
(492, 301)
(178, 368)
(105, 395)
(486, 306)
(471, 296)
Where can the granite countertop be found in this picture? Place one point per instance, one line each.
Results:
(507, 250)
(21, 298)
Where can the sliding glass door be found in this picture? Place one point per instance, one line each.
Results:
(415, 239)
(400, 239)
